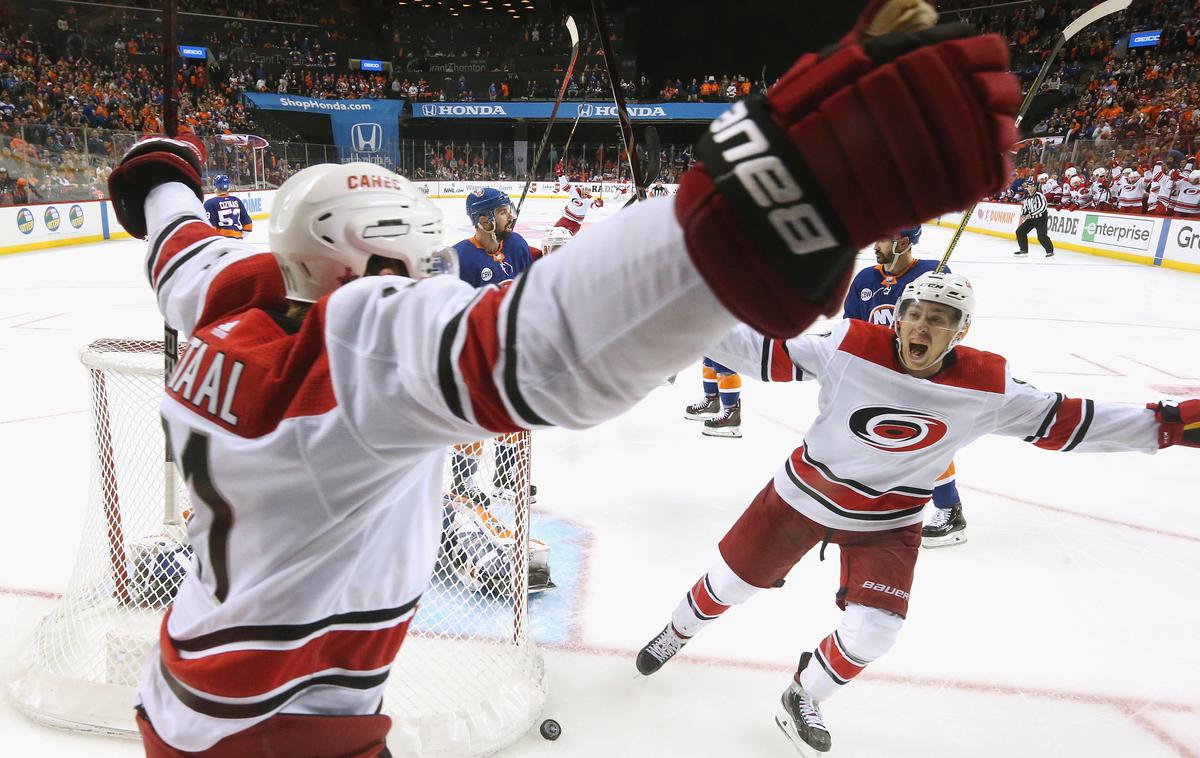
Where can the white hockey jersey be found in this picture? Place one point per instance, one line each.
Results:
(1185, 199)
(1129, 200)
(313, 448)
(882, 437)
(579, 202)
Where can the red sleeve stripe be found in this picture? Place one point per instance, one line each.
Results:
(476, 363)
(1069, 423)
(512, 385)
(1048, 419)
(777, 365)
(840, 665)
(182, 238)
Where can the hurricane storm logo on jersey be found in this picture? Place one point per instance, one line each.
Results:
(896, 430)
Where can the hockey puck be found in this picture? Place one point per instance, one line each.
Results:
(551, 730)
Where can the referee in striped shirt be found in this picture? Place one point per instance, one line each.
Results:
(1035, 214)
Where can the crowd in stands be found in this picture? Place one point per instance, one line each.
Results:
(72, 93)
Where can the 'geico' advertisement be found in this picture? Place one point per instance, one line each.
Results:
(1183, 243)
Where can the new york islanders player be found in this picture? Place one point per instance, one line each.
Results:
(227, 213)
(494, 254)
(721, 407)
(579, 202)
(323, 381)
(895, 404)
(872, 298)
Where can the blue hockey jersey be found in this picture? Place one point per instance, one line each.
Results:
(227, 214)
(478, 268)
(873, 294)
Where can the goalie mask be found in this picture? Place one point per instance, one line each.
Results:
(332, 220)
(935, 310)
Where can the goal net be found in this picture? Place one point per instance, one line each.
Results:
(467, 681)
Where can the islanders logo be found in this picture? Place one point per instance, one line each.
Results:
(896, 430)
(53, 218)
(25, 221)
(75, 216)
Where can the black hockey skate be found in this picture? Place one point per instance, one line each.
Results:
(707, 408)
(1021, 252)
(800, 718)
(1050, 254)
(728, 424)
(660, 650)
(948, 527)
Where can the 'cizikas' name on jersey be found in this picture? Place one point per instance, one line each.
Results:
(769, 183)
(216, 389)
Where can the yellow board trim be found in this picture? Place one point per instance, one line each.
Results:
(85, 240)
(1145, 260)
(56, 242)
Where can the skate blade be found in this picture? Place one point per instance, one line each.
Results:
(729, 433)
(949, 541)
(700, 416)
(784, 721)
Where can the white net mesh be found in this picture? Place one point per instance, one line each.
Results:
(468, 679)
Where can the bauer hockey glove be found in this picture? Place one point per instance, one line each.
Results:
(1178, 422)
(850, 145)
(149, 163)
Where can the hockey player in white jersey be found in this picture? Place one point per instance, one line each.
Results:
(895, 405)
(579, 202)
(323, 382)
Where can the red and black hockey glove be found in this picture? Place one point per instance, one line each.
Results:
(852, 144)
(149, 163)
(1178, 423)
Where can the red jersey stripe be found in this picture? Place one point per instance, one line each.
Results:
(848, 498)
(781, 367)
(837, 659)
(253, 673)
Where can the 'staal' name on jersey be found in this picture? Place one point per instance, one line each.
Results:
(203, 380)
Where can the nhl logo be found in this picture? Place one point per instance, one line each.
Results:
(478, 192)
(486, 275)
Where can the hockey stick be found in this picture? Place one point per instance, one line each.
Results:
(573, 30)
(574, 126)
(1106, 8)
(171, 515)
(614, 81)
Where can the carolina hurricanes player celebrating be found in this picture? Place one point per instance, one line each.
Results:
(323, 383)
(579, 202)
(895, 406)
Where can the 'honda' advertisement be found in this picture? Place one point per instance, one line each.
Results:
(363, 130)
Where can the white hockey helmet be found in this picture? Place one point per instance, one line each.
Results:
(1100, 173)
(329, 220)
(555, 237)
(1076, 181)
(1071, 172)
(953, 290)
(1194, 177)
(1043, 177)
(1127, 171)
